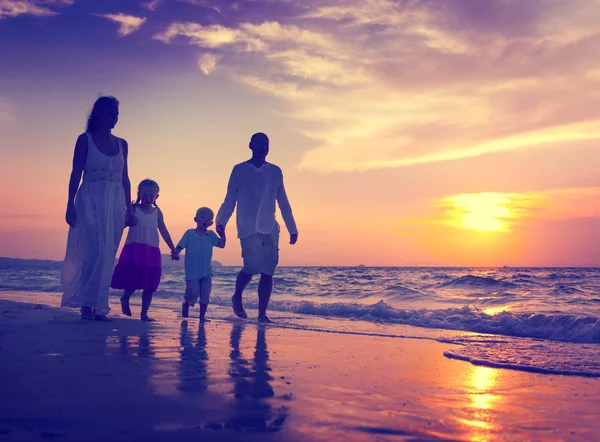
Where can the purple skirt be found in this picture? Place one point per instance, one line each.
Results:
(138, 268)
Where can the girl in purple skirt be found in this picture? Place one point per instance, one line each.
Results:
(139, 266)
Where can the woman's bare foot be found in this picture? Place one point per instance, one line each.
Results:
(87, 313)
(204, 320)
(148, 319)
(125, 306)
(238, 307)
(102, 318)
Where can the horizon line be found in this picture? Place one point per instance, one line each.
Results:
(41, 260)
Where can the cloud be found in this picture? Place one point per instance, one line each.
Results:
(128, 24)
(208, 63)
(152, 5)
(39, 8)
(382, 83)
(7, 117)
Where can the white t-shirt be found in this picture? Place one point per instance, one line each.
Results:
(255, 190)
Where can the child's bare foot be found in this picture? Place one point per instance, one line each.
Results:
(238, 307)
(102, 318)
(125, 306)
(263, 319)
(185, 309)
(148, 319)
(204, 320)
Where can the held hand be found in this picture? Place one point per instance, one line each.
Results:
(174, 255)
(130, 219)
(71, 215)
(293, 238)
(221, 230)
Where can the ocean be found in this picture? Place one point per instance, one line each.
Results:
(543, 320)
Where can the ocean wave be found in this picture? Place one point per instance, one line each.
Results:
(470, 281)
(46, 288)
(533, 356)
(562, 289)
(566, 328)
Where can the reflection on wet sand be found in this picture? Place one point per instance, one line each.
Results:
(192, 373)
(251, 410)
(139, 346)
(235, 392)
(483, 401)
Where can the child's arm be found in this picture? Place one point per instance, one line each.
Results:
(180, 246)
(163, 231)
(175, 253)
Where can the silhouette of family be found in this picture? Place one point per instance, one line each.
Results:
(99, 208)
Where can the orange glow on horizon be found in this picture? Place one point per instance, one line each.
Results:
(482, 211)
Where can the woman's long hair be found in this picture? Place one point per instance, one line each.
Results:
(92, 121)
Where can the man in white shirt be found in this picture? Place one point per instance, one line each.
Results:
(254, 186)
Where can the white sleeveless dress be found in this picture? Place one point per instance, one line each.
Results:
(92, 244)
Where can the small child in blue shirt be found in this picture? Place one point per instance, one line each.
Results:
(199, 243)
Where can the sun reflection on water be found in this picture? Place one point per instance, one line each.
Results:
(495, 310)
(483, 402)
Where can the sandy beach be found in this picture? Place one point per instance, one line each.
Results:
(72, 380)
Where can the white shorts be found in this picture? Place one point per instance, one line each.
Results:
(260, 252)
(198, 288)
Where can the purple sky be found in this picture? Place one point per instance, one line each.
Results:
(383, 114)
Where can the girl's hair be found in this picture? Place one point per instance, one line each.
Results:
(146, 183)
(101, 102)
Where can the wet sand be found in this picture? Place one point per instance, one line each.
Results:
(70, 380)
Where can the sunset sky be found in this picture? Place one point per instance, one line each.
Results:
(433, 132)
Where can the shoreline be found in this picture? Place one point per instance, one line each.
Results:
(234, 380)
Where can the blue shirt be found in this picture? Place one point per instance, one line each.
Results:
(198, 253)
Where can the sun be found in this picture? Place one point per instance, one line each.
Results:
(487, 211)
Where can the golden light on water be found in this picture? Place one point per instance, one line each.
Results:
(495, 310)
(483, 401)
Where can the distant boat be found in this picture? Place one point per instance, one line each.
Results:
(361, 265)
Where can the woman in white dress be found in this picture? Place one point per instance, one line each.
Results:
(97, 212)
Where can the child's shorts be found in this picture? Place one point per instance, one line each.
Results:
(198, 288)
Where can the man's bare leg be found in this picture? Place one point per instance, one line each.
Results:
(265, 287)
(241, 282)
(203, 308)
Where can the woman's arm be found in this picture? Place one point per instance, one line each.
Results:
(130, 218)
(79, 155)
(126, 182)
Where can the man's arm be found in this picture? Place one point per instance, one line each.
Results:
(229, 203)
(286, 213)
